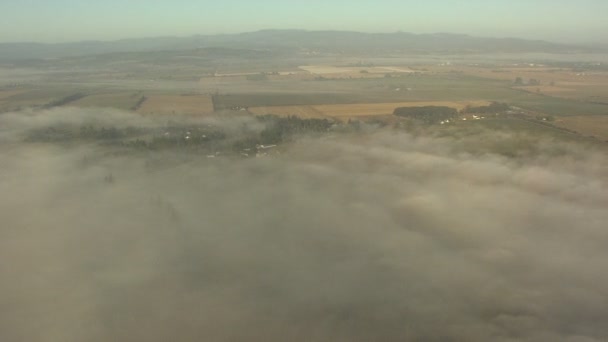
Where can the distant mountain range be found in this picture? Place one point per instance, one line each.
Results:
(296, 41)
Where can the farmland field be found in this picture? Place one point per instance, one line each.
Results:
(115, 100)
(326, 87)
(4, 94)
(355, 72)
(177, 104)
(553, 81)
(348, 111)
(34, 98)
(589, 125)
(365, 109)
(5, 98)
(306, 112)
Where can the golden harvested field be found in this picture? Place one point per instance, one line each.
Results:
(566, 83)
(4, 94)
(561, 77)
(177, 104)
(596, 126)
(304, 112)
(356, 111)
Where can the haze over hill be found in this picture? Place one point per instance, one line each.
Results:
(71, 20)
(297, 41)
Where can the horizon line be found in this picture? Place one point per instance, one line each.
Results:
(287, 30)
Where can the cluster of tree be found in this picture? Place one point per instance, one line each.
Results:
(176, 135)
(246, 145)
(196, 138)
(494, 107)
(531, 82)
(279, 129)
(52, 134)
(140, 102)
(427, 114)
(65, 100)
(257, 77)
(66, 133)
(545, 118)
(202, 138)
(105, 133)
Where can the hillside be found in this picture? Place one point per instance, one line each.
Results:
(295, 41)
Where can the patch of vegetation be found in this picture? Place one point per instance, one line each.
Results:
(201, 138)
(65, 100)
(427, 114)
(68, 133)
(139, 103)
(257, 77)
(494, 107)
(280, 129)
(52, 134)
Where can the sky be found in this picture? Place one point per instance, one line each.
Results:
(75, 20)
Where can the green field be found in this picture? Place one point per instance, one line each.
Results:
(124, 101)
(405, 89)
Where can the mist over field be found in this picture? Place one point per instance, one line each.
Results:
(382, 235)
(303, 171)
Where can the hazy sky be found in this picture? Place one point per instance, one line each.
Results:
(69, 20)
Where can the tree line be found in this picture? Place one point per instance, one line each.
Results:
(427, 114)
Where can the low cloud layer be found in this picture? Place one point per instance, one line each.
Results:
(380, 236)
